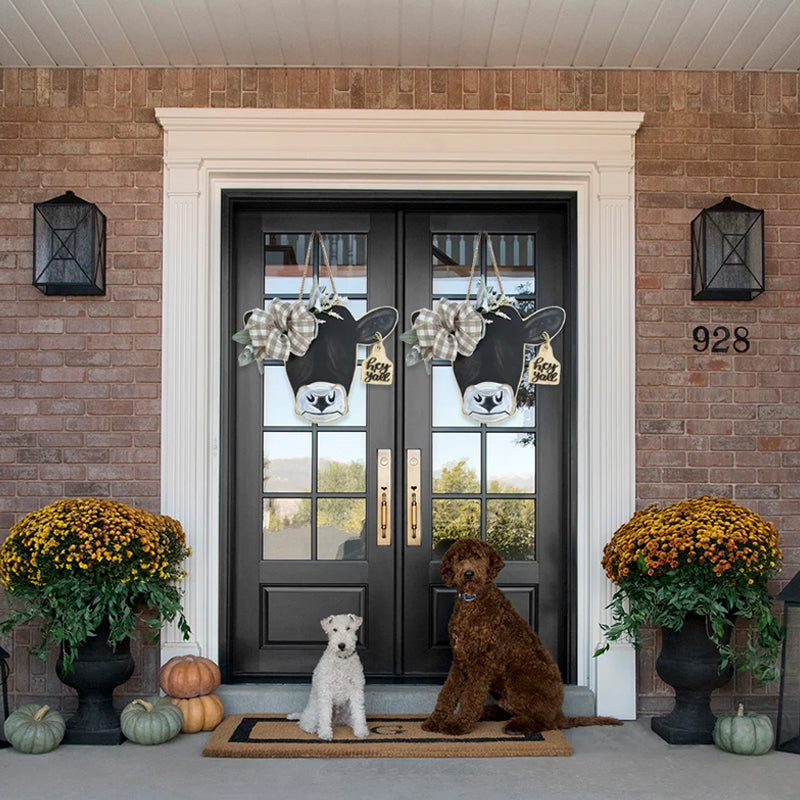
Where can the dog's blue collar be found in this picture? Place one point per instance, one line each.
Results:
(468, 598)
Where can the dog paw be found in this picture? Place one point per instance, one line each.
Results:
(456, 728)
(361, 733)
(521, 726)
(326, 735)
(431, 725)
(293, 716)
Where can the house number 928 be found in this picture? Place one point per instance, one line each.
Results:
(720, 339)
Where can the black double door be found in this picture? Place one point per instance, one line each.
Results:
(354, 515)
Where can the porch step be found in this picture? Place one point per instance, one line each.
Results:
(405, 698)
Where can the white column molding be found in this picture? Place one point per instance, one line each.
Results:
(611, 422)
(588, 153)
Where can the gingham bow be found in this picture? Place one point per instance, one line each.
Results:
(450, 329)
(283, 329)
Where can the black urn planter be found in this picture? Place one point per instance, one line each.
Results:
(689, 662)
(97, 670)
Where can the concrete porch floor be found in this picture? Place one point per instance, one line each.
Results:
(607, 764)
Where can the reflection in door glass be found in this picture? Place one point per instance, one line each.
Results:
(287, 462)
(348, 256)
(284, 259)
(287, 528)
(515, 254)
(452, 259)
(447, 399)
(452, 255)
(341, 462)
(510, 462)
(454, 519)
(511, 528)
(341, 531)
(456, 462)
(279, 399)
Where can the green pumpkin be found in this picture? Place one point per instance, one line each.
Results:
(747, 734)
(34, 729)
(151, 721)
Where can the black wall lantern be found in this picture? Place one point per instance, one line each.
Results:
(728, 252)
(69, 246)
(787, 736)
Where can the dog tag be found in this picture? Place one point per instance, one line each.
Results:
(545, 367)
(377, 368)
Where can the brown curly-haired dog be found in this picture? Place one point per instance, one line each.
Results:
(495, 650)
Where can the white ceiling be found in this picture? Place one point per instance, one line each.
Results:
(648, 34)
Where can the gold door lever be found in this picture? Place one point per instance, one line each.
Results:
(413, 483)
(384, 498)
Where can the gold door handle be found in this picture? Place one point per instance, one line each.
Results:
(384, 498)
(413, 484)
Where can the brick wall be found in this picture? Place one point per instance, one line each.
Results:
(79, 377)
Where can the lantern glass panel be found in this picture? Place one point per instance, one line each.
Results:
(69, 247)
(728, 252)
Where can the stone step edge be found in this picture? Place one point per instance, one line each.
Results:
(407, 698)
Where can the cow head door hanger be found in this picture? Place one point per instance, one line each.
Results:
(317, 339)
(486, 342)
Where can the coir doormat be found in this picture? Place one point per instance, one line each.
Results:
(397, 736)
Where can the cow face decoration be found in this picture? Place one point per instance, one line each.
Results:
(317, 339)
(484, 340)
(489, 378)
(321, 378)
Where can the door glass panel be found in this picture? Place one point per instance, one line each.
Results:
(347, 253)
(341, 530)
(456, 463)
(514, 253)
(526, 400)
(511, 528)
(447, 399)
(284, 259)
(455, 519)
(510, 460)
(279, 399)
(284, 256)
(287, 462)
(341, 462)
(452, 258)
(287, 528)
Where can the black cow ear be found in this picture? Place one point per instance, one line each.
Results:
(380, 320)
(548, 320)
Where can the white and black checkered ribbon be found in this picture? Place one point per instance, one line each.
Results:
(281, 330)
(448, 330)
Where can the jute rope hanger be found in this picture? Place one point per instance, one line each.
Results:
(475, 252)
(316, 235)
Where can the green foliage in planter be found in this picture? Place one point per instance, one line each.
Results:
(708, 556)
(76, 562)
(34, 729)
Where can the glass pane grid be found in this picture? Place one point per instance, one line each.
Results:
(483, 475)
(314, 496)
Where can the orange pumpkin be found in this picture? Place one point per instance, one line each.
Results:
(189, 676)
(200, 713)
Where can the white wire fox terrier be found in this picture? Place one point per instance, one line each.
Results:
(337, 685)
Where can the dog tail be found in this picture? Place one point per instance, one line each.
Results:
(583, 722)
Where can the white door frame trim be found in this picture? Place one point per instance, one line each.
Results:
(588, 153)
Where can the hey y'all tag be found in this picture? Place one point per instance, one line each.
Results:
(545, 367)
(377, 368)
